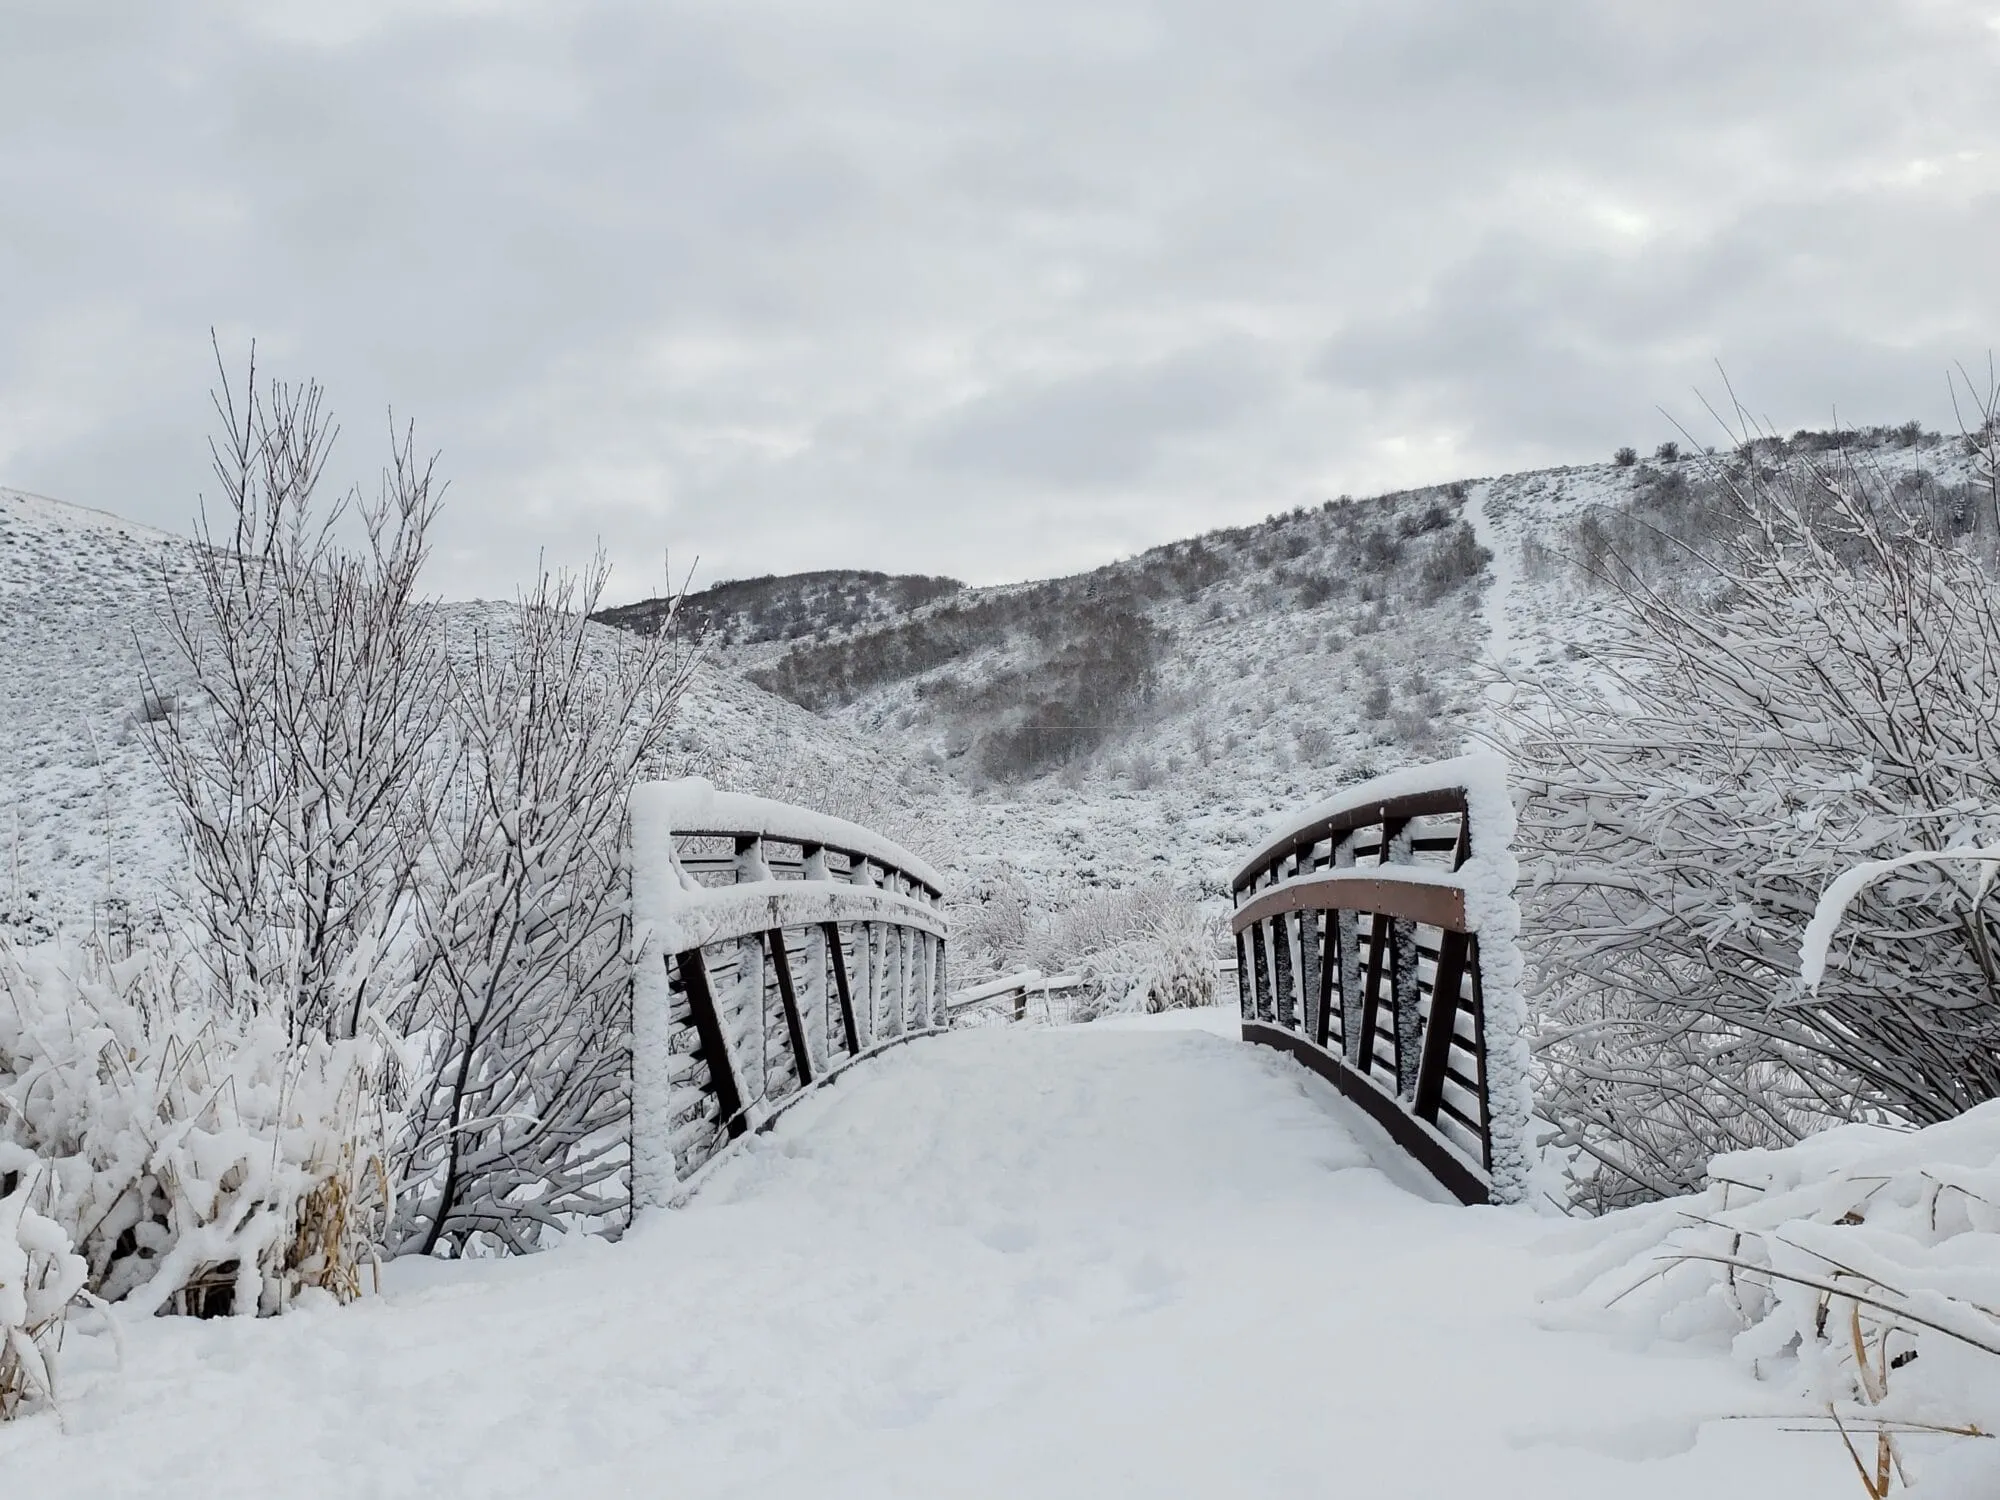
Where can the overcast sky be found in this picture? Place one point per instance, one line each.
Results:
(1000, 289)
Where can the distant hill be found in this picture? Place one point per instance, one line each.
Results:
(1143, 719)
(743, 611)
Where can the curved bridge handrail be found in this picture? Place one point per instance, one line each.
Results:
(700, 917)
(1439, 787)
(749, 995)
(1376, 942)
(692, 808)
(1417, 895)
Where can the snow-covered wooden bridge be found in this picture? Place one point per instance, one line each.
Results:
(777, 947)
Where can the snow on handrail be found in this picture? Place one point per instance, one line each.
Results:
(1477, 782)
(692, 806)
(696, 918)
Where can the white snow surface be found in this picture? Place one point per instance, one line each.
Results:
(1123, 1259)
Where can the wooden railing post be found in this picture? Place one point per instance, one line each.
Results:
(1442, 1025)
(1281, 962)
(1311, 964)
(1354, 1000)
(1260, 974)
(1243, 1003)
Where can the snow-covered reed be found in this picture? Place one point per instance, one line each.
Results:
(41, 1275)
(1859, 1270)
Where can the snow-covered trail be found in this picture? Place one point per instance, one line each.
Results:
(1104, 1261)
(1497, 602)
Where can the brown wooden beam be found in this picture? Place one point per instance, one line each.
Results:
(1373, 888)
(714, 1041)
(795, 1024)
(1438, 1030)
(838, 959)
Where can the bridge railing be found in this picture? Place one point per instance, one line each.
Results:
(772, 947)
(1376, 941)
(1026, 995)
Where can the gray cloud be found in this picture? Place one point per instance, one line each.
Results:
(986, 288)
(1105, 426)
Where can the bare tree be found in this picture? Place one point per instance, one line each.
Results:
(315, 688)
(521, 1002)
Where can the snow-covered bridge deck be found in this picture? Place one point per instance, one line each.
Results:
(1096, 1261)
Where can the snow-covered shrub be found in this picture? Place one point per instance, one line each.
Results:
(1821, 688)
(391, 839)
(198, 1158)
(1146, 948)
(1860, 1270)
(40, 1278)
(519, 1016)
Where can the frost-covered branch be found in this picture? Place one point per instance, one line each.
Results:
(1817, 691)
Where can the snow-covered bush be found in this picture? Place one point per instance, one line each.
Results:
(1820, 688)
(390, 838)
(40, 1278)
(1860, 1270)
(197, 1157)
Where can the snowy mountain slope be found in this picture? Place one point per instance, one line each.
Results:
(85, 826)
(1191, 693)
(1286, 659)
(751, 610)
(83, 818)
(1261, 668)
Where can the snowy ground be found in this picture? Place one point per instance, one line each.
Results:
(1112, 1260)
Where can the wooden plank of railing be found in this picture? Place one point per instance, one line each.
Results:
(1442, 1026)
(1363, 1053)
(1281, 966)
(1434, 903)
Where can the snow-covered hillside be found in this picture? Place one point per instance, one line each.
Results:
(1289, 658)
(84, 821)
(1280, 661)
(87, 834)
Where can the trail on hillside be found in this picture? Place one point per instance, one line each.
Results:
(1497, 601)
(1108, 1260)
